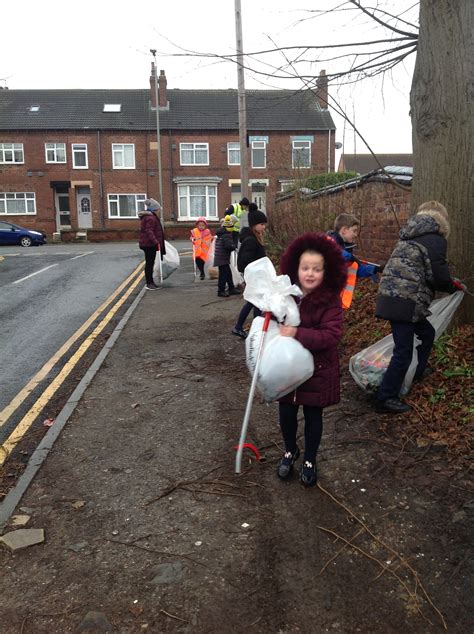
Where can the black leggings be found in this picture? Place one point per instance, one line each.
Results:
(200, 265)
(150, 255)
(313, 428)
(244, 313)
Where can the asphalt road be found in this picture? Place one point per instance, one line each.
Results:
(46, 294)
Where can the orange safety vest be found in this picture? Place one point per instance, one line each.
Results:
(201, 244)
(348, 291)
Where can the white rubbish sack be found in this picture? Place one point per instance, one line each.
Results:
(271, 292)
(209, 263)
(368, 366)
(285, 363)
(169, 264)
(237, 276)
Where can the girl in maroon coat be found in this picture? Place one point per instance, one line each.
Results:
(151, 239)
(314, 262)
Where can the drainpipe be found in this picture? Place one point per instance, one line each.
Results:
(173, 197)
(329, 151)
(101, 184)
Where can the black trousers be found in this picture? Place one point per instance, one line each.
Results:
(200, 265)
(313, 428)
(403, 338)
(244, 313)
(150, 256)
(225, 278)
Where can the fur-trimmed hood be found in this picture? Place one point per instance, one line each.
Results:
(425, 222)
(335, 269)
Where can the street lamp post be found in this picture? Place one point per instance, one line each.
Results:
(158, 139)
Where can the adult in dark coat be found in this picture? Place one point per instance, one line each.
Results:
(315, 263)
(151, 239)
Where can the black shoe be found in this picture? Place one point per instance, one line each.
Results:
(285, 468)
(202, 276)
(239, 333)
(308, 475)
(426, 373)
(234, 291)
(391, 406)
(222, 294)
(151, 287)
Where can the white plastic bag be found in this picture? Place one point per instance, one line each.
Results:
(285, 363)
(368, 366)
(169, 263)
(237, 276)
(209, 263)
(269, 292)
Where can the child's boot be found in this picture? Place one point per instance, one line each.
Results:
(308, 475)
(285, 468)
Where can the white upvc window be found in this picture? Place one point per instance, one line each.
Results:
(194, 153)
(125, 205)
(259, 154)
(301, 154)
(11, 153)
(197, 200)
(18, 203)
(55, 152)
(79, 156)
(233, 153)
(123, 156)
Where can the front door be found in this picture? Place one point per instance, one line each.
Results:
(63, 210)
(259, 196)
(83, 201)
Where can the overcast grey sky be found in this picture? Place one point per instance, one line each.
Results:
(107, 44)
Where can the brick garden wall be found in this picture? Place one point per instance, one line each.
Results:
(380, 207)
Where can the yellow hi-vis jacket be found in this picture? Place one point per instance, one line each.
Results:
(238, 211)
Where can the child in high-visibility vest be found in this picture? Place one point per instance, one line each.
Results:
(346, 230)
(201, 237)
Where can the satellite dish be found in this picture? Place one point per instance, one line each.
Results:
(338, 145)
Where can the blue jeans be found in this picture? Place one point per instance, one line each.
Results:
(403, 338)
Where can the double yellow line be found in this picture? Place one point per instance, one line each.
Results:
(28, 419)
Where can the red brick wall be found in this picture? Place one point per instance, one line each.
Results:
(380, 207)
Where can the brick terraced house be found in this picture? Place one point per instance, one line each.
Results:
(80, 163)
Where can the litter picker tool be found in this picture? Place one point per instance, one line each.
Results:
(253, 385)
(160, 268)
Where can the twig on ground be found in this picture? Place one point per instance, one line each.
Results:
(340, 551)
(194, 490)
(173, 616)
(180, 484)
(392, 551)
(157, 552)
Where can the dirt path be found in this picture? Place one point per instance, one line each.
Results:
(148, 527)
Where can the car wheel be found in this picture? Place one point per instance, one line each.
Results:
(26, 241)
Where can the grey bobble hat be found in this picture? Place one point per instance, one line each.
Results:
(152, 204)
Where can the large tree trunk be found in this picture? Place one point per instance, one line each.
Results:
(442, 117)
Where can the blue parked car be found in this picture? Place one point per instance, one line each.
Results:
(13, 234)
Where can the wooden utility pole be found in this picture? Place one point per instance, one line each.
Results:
(244, 179)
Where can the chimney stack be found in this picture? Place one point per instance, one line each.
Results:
(322, 90)
(152, 86)
(162, 96)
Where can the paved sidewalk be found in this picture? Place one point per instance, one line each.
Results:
(148, 528)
